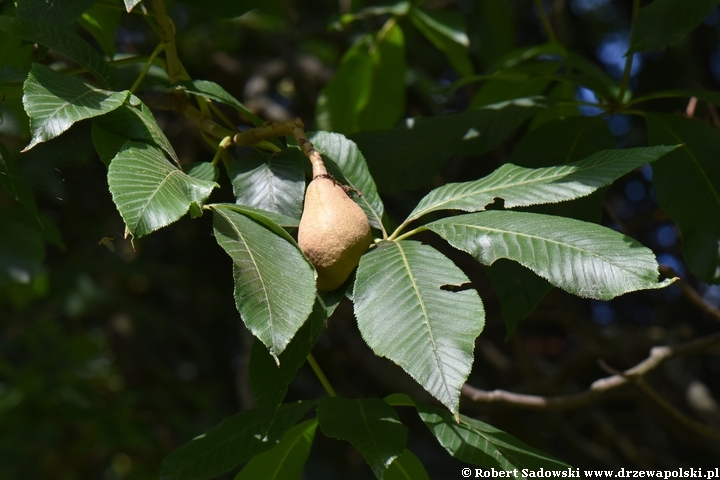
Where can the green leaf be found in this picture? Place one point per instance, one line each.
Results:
(270, 219)
(232, 442)
(478, 443)
(446, 30)
(404, 314)
(410, 156)
(54, 102)
(270, 181)
(285, 461)
(369, 424)
(61, 39)
(665, 22)
(495, 25)
(519, 289)
(581, 258)
(557, 142)
(708, 96)
(202, 171)
(134, 121)
(520, 187)
(213, 91)
(406, 467)
(60, 13)
(530, 79)
(347, 164)
(687, 184)
(130, 4)
(368, 90)
(274, 283)
(150, 192)
(102, 22)
(268, 380)
(107, 144)
(234, 8)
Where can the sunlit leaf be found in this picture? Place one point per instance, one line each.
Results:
(404, 315)
(348, 166)
(665, 22)
(582, 258)
(232, 442)
(149, 191)
(478, 443)
(263, 216)
(54, 102)
(285, 461)
(369, 424)
(270, 181)
(274, 283)
(63, 40)
(130, 4)
(687, 183)
(519, 186)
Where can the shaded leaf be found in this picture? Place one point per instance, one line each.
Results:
(232, 442)
(60, 13)
(21, 245)
(519, 186)
(150, 192)
(519, 81)
(107, 144)
(285, 460)
(406, 467)
(14, 183)
(582, 258)
(213, 91)
(368, 89)
(102, 22)
(234, 8)
(369, 424)
(263, 216)
(405, 316)
(348, 166)
(410, 156)
(687, 184)
(268, 380)
(478, 443)
(134, 121)
(202, 171)
(665, 22)
(446, 30)
(270, 181)
(495, 25)
(274, 283)
(63, 40)
(54, 102)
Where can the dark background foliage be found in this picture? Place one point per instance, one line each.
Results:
(110, 360)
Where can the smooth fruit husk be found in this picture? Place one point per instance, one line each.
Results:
(334, 232)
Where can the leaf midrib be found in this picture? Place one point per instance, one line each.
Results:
(435, 206)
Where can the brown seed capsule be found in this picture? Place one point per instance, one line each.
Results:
(334, 232)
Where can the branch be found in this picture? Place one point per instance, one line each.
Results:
(598, 388)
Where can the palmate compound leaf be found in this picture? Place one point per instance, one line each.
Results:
(404, 314)
(274, 283)
(348, 166)
(54, 102)
(149, 191)
(285, 461)
(478, 443)
(369, 424)
(233, 441)
(582, 258)
(521, 187)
